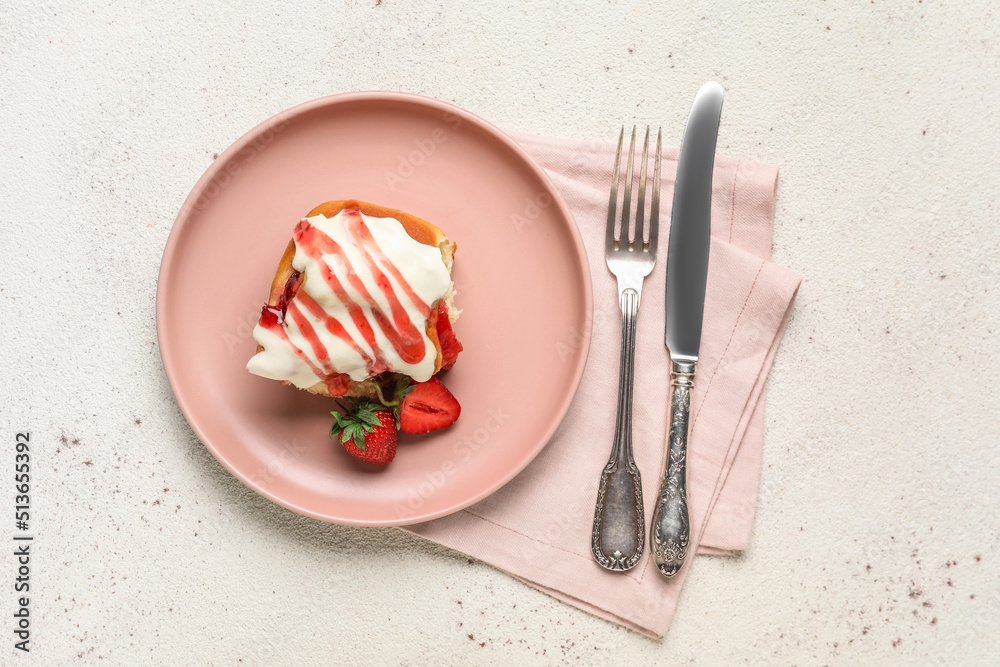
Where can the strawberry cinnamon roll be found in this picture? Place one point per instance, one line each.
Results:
(362, 295)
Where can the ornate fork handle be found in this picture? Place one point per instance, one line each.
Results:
(670, 531)
(619, 531)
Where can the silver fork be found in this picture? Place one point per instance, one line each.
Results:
(619, 531)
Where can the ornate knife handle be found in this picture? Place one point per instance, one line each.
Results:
(670, 530)
(619, 533)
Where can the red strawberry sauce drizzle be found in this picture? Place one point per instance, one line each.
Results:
(362, 234)
(402, 333)
(291, 287)
(272, 319)
(375, 366)
(400, 330)
(450, 346)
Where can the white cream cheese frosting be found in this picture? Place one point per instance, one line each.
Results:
(362, 307)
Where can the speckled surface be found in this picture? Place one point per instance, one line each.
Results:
(877, 530)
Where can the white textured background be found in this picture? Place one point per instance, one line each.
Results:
(877, 533)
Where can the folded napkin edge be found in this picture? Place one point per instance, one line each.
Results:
(670, 152)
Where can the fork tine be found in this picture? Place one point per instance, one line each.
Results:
(639, 240)
(654, 209)
(627, 201)
(609, 234)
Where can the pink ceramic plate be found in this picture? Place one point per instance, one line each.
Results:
(520, 270)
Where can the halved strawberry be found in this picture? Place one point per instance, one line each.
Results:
(450, 347)
(368, 432)
(428, 407)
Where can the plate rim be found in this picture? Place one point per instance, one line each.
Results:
(183, 219)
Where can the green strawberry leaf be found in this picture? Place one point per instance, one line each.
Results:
(403, 387)
(369, 419)
(337, 424)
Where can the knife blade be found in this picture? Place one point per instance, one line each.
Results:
(687, 272)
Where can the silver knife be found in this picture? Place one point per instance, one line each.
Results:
(687, 271)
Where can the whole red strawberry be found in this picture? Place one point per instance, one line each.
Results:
(368, 432)
(428, 407)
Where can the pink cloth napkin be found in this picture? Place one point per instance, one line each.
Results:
(538, 526)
